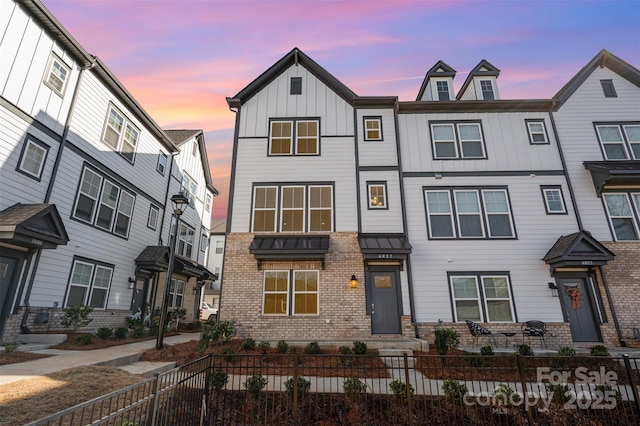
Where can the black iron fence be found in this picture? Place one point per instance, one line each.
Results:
(295, 389)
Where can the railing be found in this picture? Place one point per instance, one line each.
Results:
(292, 389)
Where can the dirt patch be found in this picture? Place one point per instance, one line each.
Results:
(34, 398)
(19, 356)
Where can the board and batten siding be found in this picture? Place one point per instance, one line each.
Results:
(377, 153)
(86, 129)
(505, 139)
(521, 258)
(579, 139)
(335, 164)
(25, 49)
(387, 220)
(316, 100)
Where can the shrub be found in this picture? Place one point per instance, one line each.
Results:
(248, 344)
(313, 348)
(264, 346)
(84, 339)
(121, 332)
(219, 379)
(180, 313)
(282, 346)
(228, 355)
(359, 348)
(138, 331)
(446, 338)
(524, 350)
(486, 351)
(400, 390)
(11, 347)
(354, 388)
(599, 350)
(104, 332)
(255, 384)
(558, 393)
(475, 360)
(506, 395)
(345, 350)
(605, 391)
(193, 325)
(153, 328)
(454, 389)
(303, 387)
(76, 316)
(566, 351)
(215, 332)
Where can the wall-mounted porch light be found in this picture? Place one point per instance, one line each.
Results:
(554, 289)
(354, 282)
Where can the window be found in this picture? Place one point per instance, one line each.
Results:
(457, 140)
(372, 129)
(479, 297)
(296, 85)
(219, 247)
(176, 293)
(152, 220)
(103, 203)
(487, 90)
(120, 134)
(57, 75)
(278, 295)
(162, 163)
(186, 236)
(32, 158)
(194, 148)
(553, 199)
(377, 195)
(208, 200)
(623, 210)
(468, 213)
(89, 283)
(619, 141)
(306, 134)
(204, 240)
(537, 132)
(608, 88)
(300, 208)
(443, 90)
(189, 188)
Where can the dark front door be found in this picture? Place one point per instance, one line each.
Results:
(8, 272)
(385, 310)
(578, 307)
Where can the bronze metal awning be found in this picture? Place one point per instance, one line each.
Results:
(384, 246)
(278, 247)
(579, 249)
(31, 226)
(613, 173)
(156, 259)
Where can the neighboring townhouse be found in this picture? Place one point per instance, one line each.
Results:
(448, 208)
(86, 178)
(211, 292)
(598, 123)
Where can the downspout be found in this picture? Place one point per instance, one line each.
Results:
(47, 197)
(613, 309)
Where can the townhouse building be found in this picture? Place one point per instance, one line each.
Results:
(211, 293)
(86, 176)
(351, 216)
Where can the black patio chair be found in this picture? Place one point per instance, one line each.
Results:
(534, 329)
(477, 330)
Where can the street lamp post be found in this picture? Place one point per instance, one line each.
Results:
(179, 202)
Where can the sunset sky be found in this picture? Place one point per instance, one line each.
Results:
(181, 58)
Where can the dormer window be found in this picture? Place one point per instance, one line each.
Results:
(487, 90)
(443, 90)
(608, 88)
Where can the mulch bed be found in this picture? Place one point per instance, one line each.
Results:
(19, 356)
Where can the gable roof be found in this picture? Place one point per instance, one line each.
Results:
(483, 69)
(33, 226)
(577, 249)
(603, 59)
(180, 137)
(440, 69)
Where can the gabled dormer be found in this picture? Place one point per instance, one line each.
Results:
(438, 83)
(481, 84)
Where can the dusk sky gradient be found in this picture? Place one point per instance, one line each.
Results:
(182, 58)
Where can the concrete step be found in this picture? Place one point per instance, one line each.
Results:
(147, 368)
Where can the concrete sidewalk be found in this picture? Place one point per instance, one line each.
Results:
(61, 359)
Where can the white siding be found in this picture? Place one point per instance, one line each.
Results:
(381, 220)
(377, 153)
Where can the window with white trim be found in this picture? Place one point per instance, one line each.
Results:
(537, 132)
(57, 75)
(553, 199)
(208, 200)
(623, 212)
(487, 90)
(459, 140)
(104, 204)
(33, 157)
(219, 247)
(372, 129)
(442, 87)
(120, 134)
(481, 297)
(162, 163)
(294, 137)
(468, 213)
(377, 192)
(152, 220)
(89, 284)
(189, 188)
(619, 141)
(176, 293)
(204, 240)
(186, 237)
(281, 298)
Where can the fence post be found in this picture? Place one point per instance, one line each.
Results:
(523, 383)
(207, 384)
(627, 364)
(295, 386)
(409, 396)
(156, 399)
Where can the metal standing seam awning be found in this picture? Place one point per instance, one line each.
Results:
(290, 247)
(388, 248)
(156, 259)
(614, 173)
